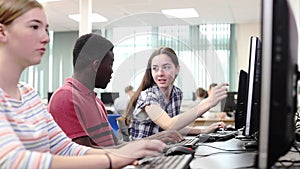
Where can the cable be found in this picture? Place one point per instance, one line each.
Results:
(230, 152)
(246, 150)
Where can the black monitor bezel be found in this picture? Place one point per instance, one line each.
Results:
(254, 87)
(279, 81)
(241, 108)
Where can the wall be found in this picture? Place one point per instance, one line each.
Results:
(62, 57)
(244, 31)
(64, 41)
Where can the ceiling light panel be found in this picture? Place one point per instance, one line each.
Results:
(95, 17)
(181, 13)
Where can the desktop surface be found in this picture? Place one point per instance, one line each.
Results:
(223, 154)
(227, 154)
(209, 121)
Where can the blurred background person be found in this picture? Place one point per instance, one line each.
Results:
(121, 102)
(120, 105)
(200, 94)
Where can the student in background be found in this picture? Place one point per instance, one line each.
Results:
(76, 107)
(29, 137)
(156, 104)
(200, 95)
(120, 103)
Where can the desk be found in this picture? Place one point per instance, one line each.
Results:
(224, 154)
(231, 154)
(208, 121)
(217, 155)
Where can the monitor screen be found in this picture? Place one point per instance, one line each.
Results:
(230, 102)
(108, 98)
(241, 105)
(253, 91)
(279, 78)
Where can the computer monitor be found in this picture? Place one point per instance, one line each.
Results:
(108, 98)
(241, 105)
(279, 79)
(253, 89)
(230, 102)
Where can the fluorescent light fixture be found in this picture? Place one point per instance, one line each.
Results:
(44, 1)
(181, 13)
(95, 17)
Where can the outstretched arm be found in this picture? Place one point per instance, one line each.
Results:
(162, 119)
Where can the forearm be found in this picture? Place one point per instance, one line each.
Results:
(94, 158)
(184, 119)
(162, 119)
(88, 161)
(191, 130)
(219, 93)
(110, 158)
(117, 146)
(202, 129)
(96, 151)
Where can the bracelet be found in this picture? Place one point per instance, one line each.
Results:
(109, 160)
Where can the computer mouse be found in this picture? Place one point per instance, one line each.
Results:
(178, 150)
(251, 145)
(230, 128)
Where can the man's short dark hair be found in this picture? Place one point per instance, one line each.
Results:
(90, 47)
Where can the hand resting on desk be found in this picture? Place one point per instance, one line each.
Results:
(213, 127)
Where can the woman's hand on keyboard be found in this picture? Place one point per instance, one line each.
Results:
(135, 150)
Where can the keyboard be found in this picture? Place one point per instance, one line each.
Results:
(188, 142)
(166, 162)
(218, 136)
